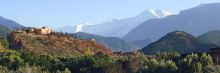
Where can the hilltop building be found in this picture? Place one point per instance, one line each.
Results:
(93, 40)
(43, 30)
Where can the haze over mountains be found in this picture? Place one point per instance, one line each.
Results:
(114, 43)
(211, 37)
(141, 29)
(178, 41)
(117, 27)
(197, 20)
(9, 23)
(4, 30)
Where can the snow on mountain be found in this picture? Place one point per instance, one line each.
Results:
(73, 29)
(79, 28)
(160, 14)
(196, 20)
(119, 27)
(167, 13)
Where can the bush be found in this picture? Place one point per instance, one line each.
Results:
(10, 59)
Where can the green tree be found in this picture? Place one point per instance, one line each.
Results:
(169, 55)
(199, 68)
(4, 43)
(66, 70)
(31, 69)
(207, 63)
(4, 70)
(10, 59)
(197, 64)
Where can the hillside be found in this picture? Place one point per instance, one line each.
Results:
(113, 43)
(178, 41)
(197, 20)
(141, 43)
(10, 23)
(116, 27)
(120, 27)
(55, 44)
(211, 37)
(4, 30)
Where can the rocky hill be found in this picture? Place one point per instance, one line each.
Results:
(55, 44)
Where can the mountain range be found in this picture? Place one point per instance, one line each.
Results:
(147, 26)
(178, 41)
(7, 25)
(4, 30)
(211, 37)
(10, 23)
(117, 27)
(197, 20)
(114, 43)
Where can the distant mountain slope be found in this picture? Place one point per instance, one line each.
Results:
(9, 23)
(120, 27)
(113, 43)
(116, 27)
(141, 43)
(197, 20)
(211, 37)
(4, 30)
(66, 29)
(55, 44)
(178, 41)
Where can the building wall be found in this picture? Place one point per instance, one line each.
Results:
(44, 30)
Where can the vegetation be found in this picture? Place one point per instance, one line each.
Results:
(28, 60)
(4, 31)
(211, 37)
(53, 44)
(178, 41)
(136, 62)
(113, 43)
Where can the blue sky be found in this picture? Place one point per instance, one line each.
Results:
(58, 13)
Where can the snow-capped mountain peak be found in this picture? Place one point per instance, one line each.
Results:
(120, 27)
(167, 13)
(79, 28)
(160, 14)
(154, 13)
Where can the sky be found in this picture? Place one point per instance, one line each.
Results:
(59, 13)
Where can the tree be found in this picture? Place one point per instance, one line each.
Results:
(159, 66)
(10, 59)
(31, 69)
(65, 71)
(197, 64)
(4, 43)
(189, 64)
(199, 67)
(171, 65)
(4, 70)
(169, 55)
(207, 63)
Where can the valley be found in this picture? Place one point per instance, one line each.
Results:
(154, 41)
